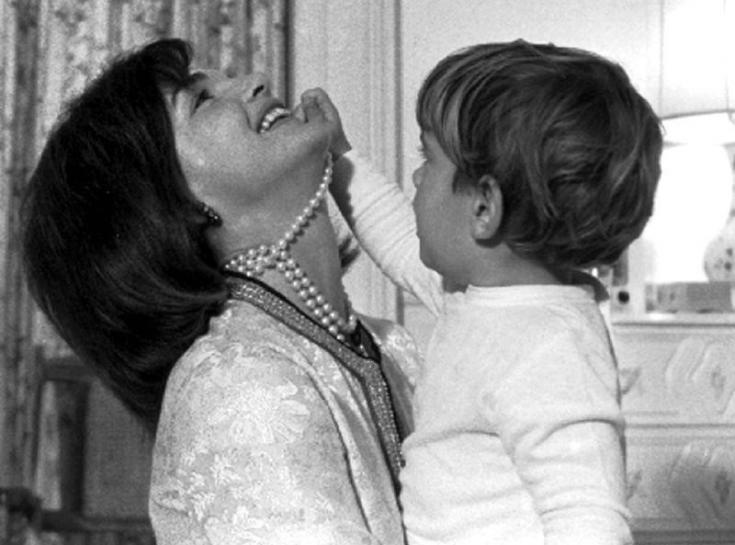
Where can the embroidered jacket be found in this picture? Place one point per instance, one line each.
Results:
(273, 432)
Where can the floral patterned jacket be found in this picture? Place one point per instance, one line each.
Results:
(273, 432)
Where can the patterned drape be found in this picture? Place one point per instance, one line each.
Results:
(49, 50)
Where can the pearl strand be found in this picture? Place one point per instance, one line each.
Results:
(255, 261)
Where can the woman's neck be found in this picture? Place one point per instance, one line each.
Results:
(315, 253)
(290, 246)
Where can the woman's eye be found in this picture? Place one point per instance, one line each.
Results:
(201, 98)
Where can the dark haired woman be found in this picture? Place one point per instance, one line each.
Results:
(223, 325)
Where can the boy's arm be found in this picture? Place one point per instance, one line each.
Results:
(558, 418)
(382, 218)
(376, 209)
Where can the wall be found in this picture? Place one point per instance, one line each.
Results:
(350, 49)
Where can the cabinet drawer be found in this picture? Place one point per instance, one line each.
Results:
(677, 375)
(681, 478)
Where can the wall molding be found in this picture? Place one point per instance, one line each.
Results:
(350, 49)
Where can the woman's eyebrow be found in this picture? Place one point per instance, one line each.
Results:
(196, 76)
(190, 80)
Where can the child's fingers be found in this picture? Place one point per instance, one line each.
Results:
(318, 98)
(298, 112)
(312, 110)
(321, 97)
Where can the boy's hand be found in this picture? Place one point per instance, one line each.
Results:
(318, 98)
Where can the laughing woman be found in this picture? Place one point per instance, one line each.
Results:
(177, 236)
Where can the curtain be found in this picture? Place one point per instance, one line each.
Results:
(49, 50)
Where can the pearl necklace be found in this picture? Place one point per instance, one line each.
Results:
(255, 261)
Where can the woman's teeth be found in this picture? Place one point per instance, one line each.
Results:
(271, 117)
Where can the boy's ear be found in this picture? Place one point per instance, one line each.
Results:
(487, 209)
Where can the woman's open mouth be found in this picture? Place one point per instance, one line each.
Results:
(272, 117)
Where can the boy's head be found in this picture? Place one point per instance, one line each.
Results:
(572, 147)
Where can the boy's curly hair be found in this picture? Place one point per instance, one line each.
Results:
(573, 146)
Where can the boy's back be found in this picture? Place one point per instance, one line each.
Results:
(517, 423)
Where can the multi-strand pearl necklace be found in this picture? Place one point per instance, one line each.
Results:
(255, 261)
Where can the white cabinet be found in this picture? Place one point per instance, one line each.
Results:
(678, 382)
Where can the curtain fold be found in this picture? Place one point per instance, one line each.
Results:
(49, 50)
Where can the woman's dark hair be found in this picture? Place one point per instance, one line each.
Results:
(573, 146)
(114, 244)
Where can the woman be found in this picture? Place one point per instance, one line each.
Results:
(223, 325)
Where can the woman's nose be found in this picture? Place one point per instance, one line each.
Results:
(250, 86)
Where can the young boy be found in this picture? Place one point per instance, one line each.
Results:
(540, 161)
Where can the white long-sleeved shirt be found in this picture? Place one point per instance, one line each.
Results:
(518, 430)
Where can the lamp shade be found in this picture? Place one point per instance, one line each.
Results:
(698, 70)
(692, 205)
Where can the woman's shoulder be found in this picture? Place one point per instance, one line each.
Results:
(245, 349)
(240, 383)
(241, 330)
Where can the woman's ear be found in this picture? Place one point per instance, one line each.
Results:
(487, 209)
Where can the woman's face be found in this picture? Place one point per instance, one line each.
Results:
(238, 144)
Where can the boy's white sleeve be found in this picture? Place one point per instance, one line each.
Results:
(382, 218)
(558, 418)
